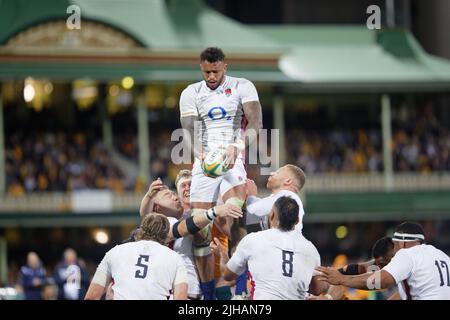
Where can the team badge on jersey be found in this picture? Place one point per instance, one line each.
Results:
(228, 92)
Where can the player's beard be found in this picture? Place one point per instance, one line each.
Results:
(212, 86)
(216, 84)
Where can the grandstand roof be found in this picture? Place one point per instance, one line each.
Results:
(160, 24)
(153, 40)
(356, 58)
(160, 40)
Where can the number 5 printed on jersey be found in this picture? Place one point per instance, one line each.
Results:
(142, 273)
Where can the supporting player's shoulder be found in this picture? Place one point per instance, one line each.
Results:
(172, 221)
(308, 245)
(430, 251)
(251, 239)
(170, 254)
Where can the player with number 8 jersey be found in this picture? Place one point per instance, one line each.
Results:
(281, 260)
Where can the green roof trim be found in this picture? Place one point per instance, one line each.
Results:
(347, 57)
(376, 206)
(311, 58)
(178, 24)
(141, 73)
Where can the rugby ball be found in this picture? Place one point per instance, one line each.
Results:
(212, 164)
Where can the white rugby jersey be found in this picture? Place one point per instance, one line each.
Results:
(261, 208)
(281, 263)
(220, 111)
(183, 246)
(143, 270)
(421, 273)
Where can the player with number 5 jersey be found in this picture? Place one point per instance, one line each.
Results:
(142, 270)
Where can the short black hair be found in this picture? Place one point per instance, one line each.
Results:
(287, 211)
(212, 54)
(411, 228)
(382, 247)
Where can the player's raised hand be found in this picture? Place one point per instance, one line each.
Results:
(330, 275)
(156, 185)
(231, 154)
(251, 188)
(228, 210)
(218, 248)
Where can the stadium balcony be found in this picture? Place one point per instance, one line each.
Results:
(327, 198)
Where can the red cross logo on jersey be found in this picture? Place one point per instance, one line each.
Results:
(228, 92)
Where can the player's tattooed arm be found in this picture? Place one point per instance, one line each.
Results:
(253, 114)
(188, 123)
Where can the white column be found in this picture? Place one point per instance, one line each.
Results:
(278, 123)
(387, 139)
(143, 138)
(2, 151)
(390, 13)
(3, 261)
(107, 134)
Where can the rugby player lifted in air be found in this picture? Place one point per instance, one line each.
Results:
(221, 105)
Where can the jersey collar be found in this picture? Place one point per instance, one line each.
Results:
(219, 88)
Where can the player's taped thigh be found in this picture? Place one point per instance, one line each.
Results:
(202, 239)
(201, 251)
(236, 202)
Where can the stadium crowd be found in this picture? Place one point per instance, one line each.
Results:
(59, 162)
(64, 162)
(360, 151)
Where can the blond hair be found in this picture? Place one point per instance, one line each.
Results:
(298, 174)
(155, 227)
(183, 174)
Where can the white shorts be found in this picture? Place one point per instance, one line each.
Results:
(206, 189)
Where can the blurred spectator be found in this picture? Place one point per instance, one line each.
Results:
(61, 161)
(71, 277)
(50, 292)
(360, 151)
(32, 277)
